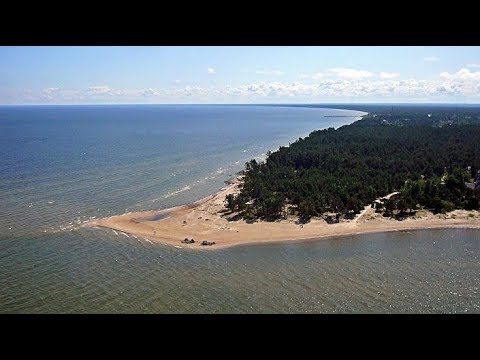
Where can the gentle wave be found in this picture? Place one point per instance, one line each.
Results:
(185, 188)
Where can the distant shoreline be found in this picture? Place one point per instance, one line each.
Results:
(341, 116)
(201, 221)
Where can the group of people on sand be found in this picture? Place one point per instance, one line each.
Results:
(204, 242)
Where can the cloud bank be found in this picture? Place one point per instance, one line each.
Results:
(346, 85)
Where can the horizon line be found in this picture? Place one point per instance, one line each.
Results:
(251, 104)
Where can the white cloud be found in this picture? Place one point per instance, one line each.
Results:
(105, 90)
(388, 75)
(473, 65)
(463, 83)
(304, 76)
(102, 89)
(51, 90)
(149, 92)
(432, 58)
(50, 94)
(93, 93)
(462, 74)
(211, 70)
(317, 76)
(270, 72)
(177, 81)
(350, 74)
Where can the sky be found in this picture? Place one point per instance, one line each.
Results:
(257, 74)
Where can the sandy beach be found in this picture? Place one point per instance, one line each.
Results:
(203, 220)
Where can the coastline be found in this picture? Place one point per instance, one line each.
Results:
(202, 221)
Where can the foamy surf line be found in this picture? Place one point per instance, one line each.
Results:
(185, 188)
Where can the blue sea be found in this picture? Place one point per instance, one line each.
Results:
(61, 166)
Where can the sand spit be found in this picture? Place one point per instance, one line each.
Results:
(204, 221)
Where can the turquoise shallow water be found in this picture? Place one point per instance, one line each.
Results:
(61, 166)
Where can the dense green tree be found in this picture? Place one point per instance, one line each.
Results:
(402, 205)
(339, 170)
(390, 206)
(230, 202)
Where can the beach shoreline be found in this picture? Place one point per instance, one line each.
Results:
(202, 220)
